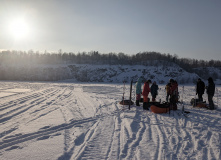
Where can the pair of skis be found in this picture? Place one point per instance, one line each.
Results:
(130, 92)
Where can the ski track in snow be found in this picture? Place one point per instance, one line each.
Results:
(85, 121)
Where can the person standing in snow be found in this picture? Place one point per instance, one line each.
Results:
(154, 91)
(210, 91)
(200, 89)
(138, 91)
(173, 94)
(146, 90)
(167, 91)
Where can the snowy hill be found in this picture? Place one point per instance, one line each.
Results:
(104, 73)
(118, 73)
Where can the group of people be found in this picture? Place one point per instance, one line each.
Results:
(210, 90)
(153, 89)
(172, 93)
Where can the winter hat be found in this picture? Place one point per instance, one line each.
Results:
(171, 80)
(210, 79)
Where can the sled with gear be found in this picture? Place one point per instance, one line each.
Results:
(157, 107)
(126, 102)
(160, 107)
(196, 103)
(202, 105)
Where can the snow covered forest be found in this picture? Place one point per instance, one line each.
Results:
(96, 67)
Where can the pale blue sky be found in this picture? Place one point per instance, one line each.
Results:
(188, 28)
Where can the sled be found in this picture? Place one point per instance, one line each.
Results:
(148, 105)
(160, 108)
(126, 102)
(201, 105)
(197, 103)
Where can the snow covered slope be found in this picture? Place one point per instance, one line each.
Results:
(118, 73)
(60, 121)
(101, 73)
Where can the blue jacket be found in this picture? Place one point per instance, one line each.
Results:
(138, 86)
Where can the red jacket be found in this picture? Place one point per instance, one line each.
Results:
(174, 89)
(146, 89)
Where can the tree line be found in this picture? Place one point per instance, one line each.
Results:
(94, 57)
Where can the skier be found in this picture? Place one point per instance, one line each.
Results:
(154, 91)
(173, 94)
(200, 89)
(167, 91)
(138, 91)
(210, 91)
(146, 90)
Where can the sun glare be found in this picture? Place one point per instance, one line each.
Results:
(19, 29)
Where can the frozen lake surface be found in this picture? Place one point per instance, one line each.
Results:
(85, 121)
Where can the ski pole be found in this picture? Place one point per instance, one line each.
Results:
(123, 93)
(134, 90)
(194, 104)
(182, 99)
(130, 93)
(217, 93)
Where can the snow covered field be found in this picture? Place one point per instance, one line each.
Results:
(61, 121)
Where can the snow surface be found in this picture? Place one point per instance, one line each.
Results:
(60, 121)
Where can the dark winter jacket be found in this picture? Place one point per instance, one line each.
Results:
(154, 89)
(211, 87)
(200, 87)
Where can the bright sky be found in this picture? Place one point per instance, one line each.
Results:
(188, 28)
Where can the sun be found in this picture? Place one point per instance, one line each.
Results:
(19, 29)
